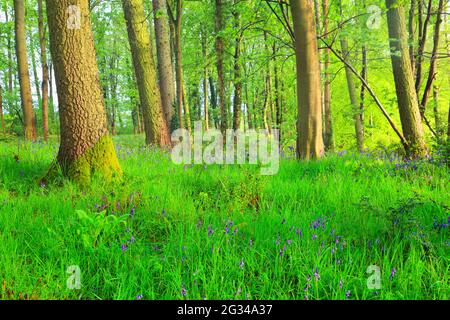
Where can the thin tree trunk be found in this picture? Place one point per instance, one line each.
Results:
(165, 68)
(220, 62)
(422, 42)
(155, 124)
(44, 64)
(433, 60)
(24, 76)
(412, 34)
(237, 101)
(309, 125)
(404, 81)
(205, 80)
(328, 124)
(437, 116)
(2, 119)
(364, 73)
(86, 148)
(359, 126)
(37, 86)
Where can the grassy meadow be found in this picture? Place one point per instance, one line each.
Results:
(224, 232)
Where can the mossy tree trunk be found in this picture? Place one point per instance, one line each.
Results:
(86, 148)
(24, 76)
(404, 81)
(309, 99)
(155, 124)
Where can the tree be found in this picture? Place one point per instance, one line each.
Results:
(328, 124)
(2, 119)
(45, 75)
(165, 68)
(24, 76)
(309, 123)
(237, 99)
(86, 148)
(404, 81)
(220, 62)
(155, 124)
(356, 111)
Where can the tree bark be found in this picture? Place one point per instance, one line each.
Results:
(165, 67)
(404, 81)
(412, 34)
(437, 116)
(328, 124)
(2, 119)
(155, 124)
(433, 60)
(237, 100)
(356, 111)
(24, 76)
(309, 124)
(423, 28)
(220, 62)
(205, 80)
(44, 64)
(86, 149)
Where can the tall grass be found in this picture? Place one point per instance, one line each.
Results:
(224, 232)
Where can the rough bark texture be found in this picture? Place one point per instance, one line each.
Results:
(44, 64)
(328, 124)
(404, 81)
(155, 124)
(165, 68)
(357, 116)
(24, 76)
(220, 71)
(309, 124)
(86, 149)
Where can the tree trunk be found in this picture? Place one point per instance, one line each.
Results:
(165, 68)
(309, 124)
(155, 124)
(357, 116)
(24, 76)
(220, 61)
(412, 36)
(205, 80)
(44, 64)
(86, 148)
(423, 28)
(433, 60)
(328, 124)
(37, 86)
(2, 119)
(237, 101)
(404, 81)
(437, 116)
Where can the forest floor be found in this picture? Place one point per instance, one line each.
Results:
(224, 232)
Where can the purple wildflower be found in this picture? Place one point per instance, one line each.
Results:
(347, 294)
(183, 291)
(124, 247)
(242, 264)
(139, 297)
(133, 211)
(314, 236)
(341, 283)
(393, 271)
(316, 274)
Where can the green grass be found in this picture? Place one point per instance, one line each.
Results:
(369, 212)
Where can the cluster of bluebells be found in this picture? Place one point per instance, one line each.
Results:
(441, 225)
